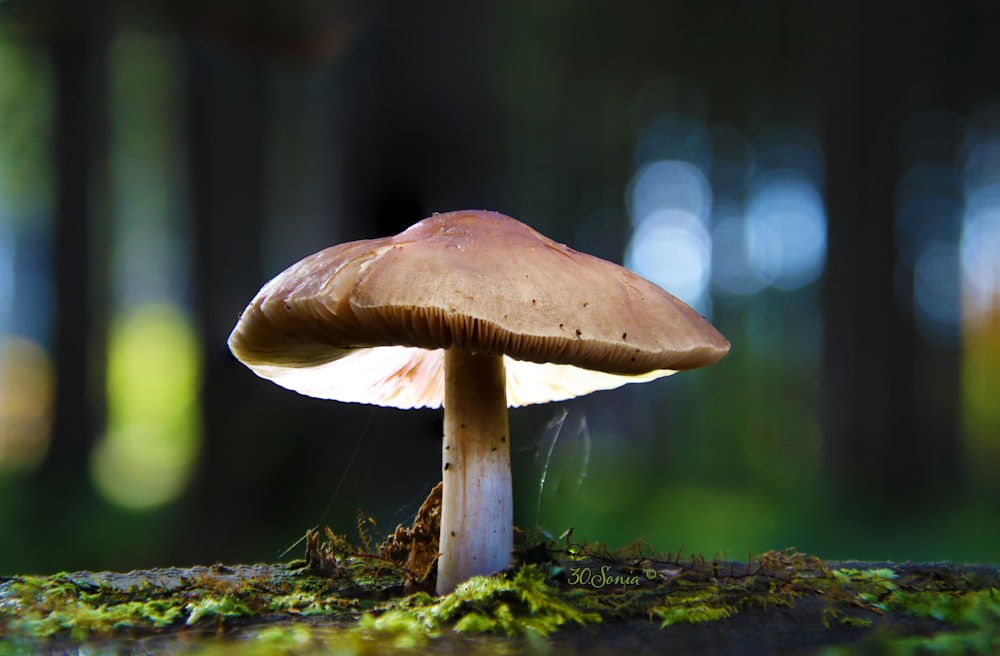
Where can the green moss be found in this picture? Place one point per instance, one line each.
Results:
(691, 608)
(43, 607)
(290, 640)
(974, 617)
(310, 604)
(849, 590)
(38, 608)
(522, 604)
(216, 607)
(971, 618)
(360, 605)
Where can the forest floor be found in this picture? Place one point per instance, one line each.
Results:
(560, 597)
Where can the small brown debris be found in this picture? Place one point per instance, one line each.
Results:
(415, 549)
(321, 559)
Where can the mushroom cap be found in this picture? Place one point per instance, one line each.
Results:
(368, 321)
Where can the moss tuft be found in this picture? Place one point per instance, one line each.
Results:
(516, 605)
(691, 608)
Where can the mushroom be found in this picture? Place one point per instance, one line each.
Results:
(473, 311)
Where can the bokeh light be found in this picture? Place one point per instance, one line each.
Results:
(153, 434)
(6, 276)
(732, 270)
(670, 202)
(674, 136)
(979, 264)
(763, 226)
(935, 289)
(26, 370)
(25, 190)
(928, 225)
(980, 252)
(26, 392)
(149, 257)
(980, 240)
(669, 185)
(153, 426)
(786, 230)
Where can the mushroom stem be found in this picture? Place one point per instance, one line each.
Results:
(476, 507)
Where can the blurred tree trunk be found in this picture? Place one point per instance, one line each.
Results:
(883, 437)
(422, 120)
(79, 253)
(226, 100)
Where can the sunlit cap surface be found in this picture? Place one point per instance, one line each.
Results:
(367, 321)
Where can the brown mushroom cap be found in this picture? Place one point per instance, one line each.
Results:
(366, 321)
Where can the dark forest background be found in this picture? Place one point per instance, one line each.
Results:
(821, 179)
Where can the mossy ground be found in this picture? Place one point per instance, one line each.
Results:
(360, 601)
